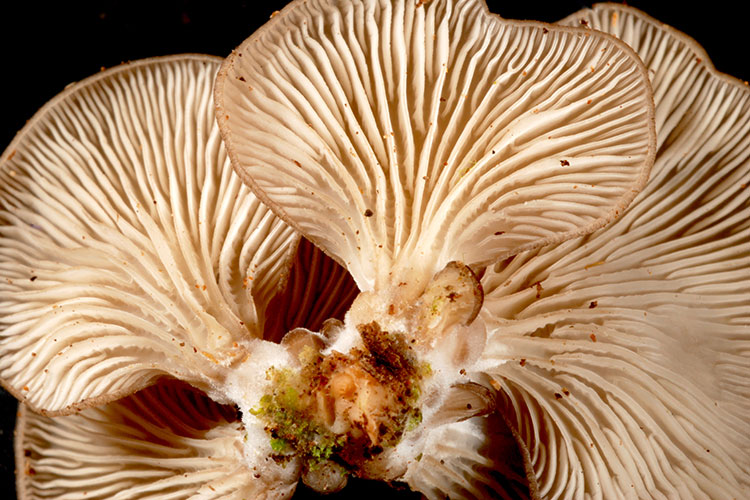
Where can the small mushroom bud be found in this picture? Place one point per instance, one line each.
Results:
(325, 477)
(452, 298)
(300, 341)
(331, 329)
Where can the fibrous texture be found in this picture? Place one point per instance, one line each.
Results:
(477, 458)
(317, 289)
(425, 146)
(423, 133)
(128, 249)
(623, 355)
(168, 441)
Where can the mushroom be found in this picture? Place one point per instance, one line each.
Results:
(172, 438)
(130, 251)
(410, 174)
(331, 94)
(133, 256)
(630, 368)
(416, 143)
(520, 376)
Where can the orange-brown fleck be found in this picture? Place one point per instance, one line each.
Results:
(589, 266)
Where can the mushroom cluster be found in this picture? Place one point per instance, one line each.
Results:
(399, 240)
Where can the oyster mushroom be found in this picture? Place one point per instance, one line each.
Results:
(132, 256)
(630, 368)
(415, 143)
(464, 458)
(129, 249)
(172, 438)
(411, 174)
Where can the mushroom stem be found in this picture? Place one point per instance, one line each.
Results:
(355, 390)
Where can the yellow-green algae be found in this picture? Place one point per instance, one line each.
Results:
(294, 411)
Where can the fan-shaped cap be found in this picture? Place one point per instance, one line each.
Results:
(405, 135)
(476, 458)
(624, 354)
(167, 441)
(128, 247)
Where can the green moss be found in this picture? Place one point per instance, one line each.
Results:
(290, 398)
(291, 427)
(289, 410)
(413, 420)
(279, 445)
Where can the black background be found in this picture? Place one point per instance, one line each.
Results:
(45, 46)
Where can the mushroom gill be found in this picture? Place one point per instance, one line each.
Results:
(400, 136)
(129, 249)
(534, 320)
(172, 440)
(628, 365)
(135, 256)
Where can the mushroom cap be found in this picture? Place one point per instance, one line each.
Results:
(166, 441)
(129, 248)
(400, 136)
(624, 355)
(475, 458)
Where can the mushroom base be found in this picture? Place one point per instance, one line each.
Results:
(339, 412)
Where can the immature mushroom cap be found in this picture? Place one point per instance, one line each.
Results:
(400, 136)
(623, 356)
(129, 250)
